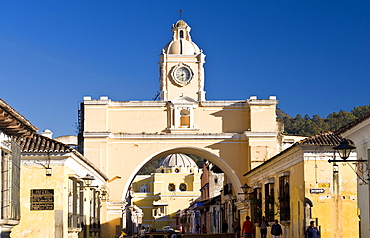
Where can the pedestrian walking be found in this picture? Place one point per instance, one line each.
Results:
(262, 224)
(312, 231)
(236, 227)
(204, 229)
(276, 230)
(247, 228)
(142, 232)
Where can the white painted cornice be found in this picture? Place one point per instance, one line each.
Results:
(138, 104)
(238, 104)
(216, 136)
(251, 134)
(262, 102)
(99, 134)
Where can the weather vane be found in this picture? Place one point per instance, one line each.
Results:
(180, 11)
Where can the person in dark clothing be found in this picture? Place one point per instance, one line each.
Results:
(224, 227)
(236, 228)
(262, 224)
(276, 230)
(312, 231)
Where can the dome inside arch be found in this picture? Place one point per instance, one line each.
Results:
(177, 160)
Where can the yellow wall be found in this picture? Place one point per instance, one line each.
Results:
(335, 210)
(234, 135)
(34, 223)
(158, 191)
(52, 223)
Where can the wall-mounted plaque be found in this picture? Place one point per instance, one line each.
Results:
(42, 199)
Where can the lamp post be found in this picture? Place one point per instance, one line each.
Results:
(88, 179)
(344, 150)
(245, 188)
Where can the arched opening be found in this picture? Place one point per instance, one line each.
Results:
(229, 172)
(175, 187)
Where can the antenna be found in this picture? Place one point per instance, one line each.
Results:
(180, 11)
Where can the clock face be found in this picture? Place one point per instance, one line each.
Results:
(183, 74)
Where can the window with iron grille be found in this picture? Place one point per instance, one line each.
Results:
(74, 203)
(269, 202)
(256, 204)
(284, 198)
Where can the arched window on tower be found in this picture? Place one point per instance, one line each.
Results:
(185, 118)
(181, 34)
(144, 188)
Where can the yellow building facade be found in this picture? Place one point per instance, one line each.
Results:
(299, 185)
(120, 137)
(162, 194)
(55, 196)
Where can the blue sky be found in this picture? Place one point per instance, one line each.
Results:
(313, 55)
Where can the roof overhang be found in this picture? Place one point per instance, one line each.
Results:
(13, 123)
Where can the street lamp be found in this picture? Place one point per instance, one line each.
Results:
(88, 179)
(344, 150)
(245, 188)
(104, 194)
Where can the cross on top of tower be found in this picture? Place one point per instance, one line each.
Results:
(180, 11)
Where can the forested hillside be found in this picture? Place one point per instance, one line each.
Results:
(308, 126)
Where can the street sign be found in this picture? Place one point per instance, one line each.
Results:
(317, 190)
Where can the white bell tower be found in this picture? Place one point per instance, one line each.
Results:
(181, 66)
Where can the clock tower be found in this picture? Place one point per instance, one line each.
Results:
(181, 66)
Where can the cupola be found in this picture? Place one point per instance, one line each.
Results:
(181, 43)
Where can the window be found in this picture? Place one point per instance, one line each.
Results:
(284, 198)
(144, 188)
(159, 211)
(75, 203)
(95, 211)
(185, 118)
(256, 204)
(269, 202)
(171, 187)
(72, 203)
(177, 170)
(182, 187)
(10, 181)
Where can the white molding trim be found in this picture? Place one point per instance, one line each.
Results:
(251, 134)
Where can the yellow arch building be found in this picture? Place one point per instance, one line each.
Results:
(120, 137)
